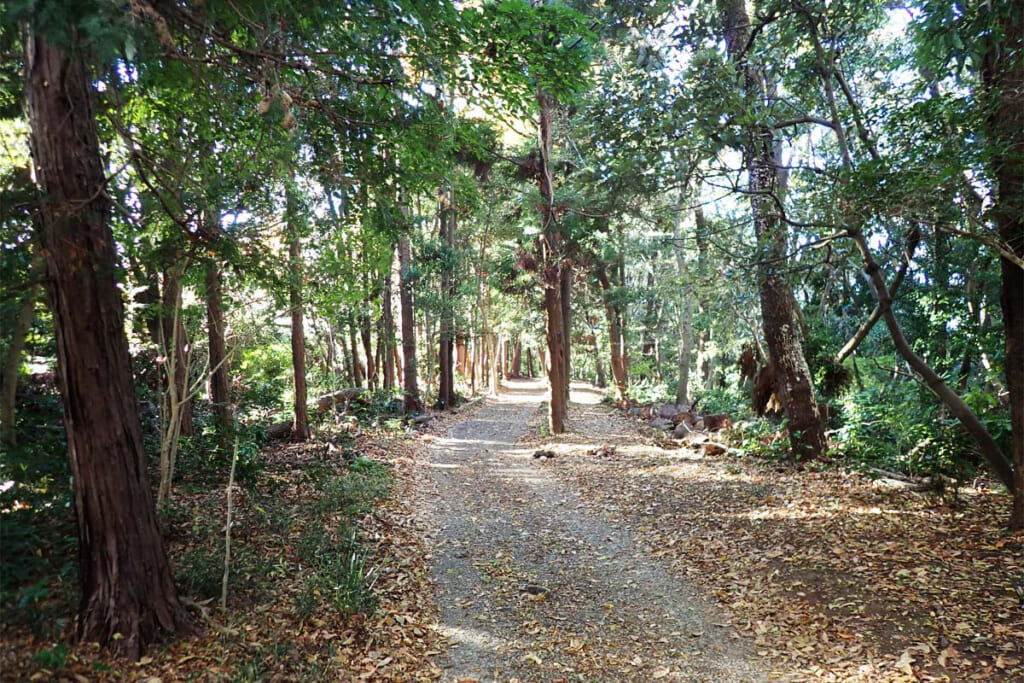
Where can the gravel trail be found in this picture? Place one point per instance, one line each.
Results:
(533, 585)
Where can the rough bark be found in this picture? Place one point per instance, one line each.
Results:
(216, 331)
(796, 392)
(446, 340)
(412, 402)
(1003, 76)
(616, 340)
(127, 595)
(516, 370)
(551, 277)
(387, 338)
(566, 284)
(300, 423)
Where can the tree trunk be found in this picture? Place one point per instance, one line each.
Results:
(12, 364)
(793, 378)
(494, 366)
(413, 403)
(300, 424)
(175, 341)
(461, 355)
(650, 322)
(529, 363)
(366, 335)
(566, 284)
(615, 336)
(517, 360)
(358, 373)
(446, 343)
(388, 322)
(551, 276)
(685, 348)
(218, 350)
(127, 596)
(1003, 76)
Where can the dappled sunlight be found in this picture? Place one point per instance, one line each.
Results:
(461, 636)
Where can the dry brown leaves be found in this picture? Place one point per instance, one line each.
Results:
(260, 637)
(833, 579)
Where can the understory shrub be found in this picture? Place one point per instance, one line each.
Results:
(901, 427)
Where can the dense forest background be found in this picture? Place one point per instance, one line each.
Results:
(222, 220)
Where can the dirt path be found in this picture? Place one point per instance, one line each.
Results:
(534, 586)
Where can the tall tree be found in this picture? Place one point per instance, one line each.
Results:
(412, 402)
(127, 596)
(300, 423)
(1003, 80)
(793, 378)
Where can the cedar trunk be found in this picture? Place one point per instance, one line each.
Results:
(387, 337)
(218, 349)
(615, 336)
(1004, 80)
(566, 285)
(446, 344)
(300, 424)
(127, 595)
(517, 360)
(412, 391)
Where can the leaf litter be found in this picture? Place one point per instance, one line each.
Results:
(830, 577)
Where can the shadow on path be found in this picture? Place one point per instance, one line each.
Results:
(534, 586)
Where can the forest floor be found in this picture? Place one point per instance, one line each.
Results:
(829, 576)
(620, 557)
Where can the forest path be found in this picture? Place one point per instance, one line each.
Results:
(533, 585)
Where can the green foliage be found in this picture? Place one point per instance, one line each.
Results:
(267, 369)
(648, 391)
(355, 492)
(764, 439)
(338, 575)
(898, 427)
(728, 399)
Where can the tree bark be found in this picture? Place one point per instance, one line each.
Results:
(794, 387)
(1003, 77)
(615, 333)
(300, 424)
(127, 595)
(366, 336)
(216, 331)
(517, 360)
(412, 401)
(446, 343)
(566, 285)
(358, 373)
(551, 276)
(387, 338)
(685, 349)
